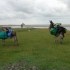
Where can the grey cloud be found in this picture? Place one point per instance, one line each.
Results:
(21, 6)
(15, 9)
(33, 9)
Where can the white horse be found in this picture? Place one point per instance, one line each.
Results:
(58, 32)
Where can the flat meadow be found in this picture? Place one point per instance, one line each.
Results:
(36, 48)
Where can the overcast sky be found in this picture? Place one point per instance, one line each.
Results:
(34, 11)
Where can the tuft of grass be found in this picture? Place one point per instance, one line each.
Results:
(37, 47)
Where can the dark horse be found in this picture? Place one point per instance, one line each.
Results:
(4, 35)
(59, 35)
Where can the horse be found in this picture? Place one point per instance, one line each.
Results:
(4, 35)
(58, 32)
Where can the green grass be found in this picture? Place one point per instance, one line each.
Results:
(37, 47)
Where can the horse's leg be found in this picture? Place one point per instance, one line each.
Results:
(56, 38)
(61, 38)
(15, 40)
(14, 36)
(3, 42)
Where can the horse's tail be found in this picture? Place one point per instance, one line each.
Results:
(64, 30)
(13, 33)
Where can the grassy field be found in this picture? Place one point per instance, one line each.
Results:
(37, 47)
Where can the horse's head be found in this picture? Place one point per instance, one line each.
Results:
(51, 24)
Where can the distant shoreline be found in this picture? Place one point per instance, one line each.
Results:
(65, 25)
(31, 26)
